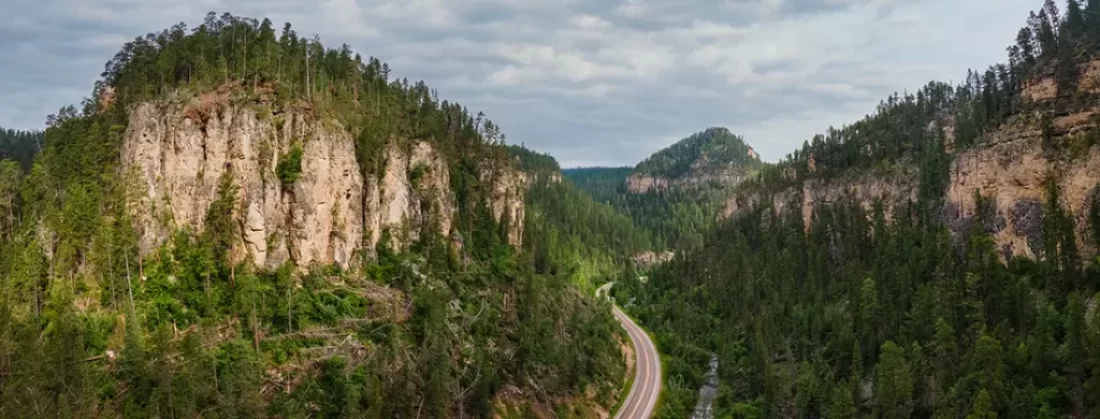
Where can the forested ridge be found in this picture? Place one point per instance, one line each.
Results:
(709, 163)
(1055, 46)
(89, 328)
(716, 146)
(861, 314)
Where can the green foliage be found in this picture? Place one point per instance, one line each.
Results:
(20, 146)
(289, 168)
(416, 174)
(533, 162)
(603, 184)
(861, 305)
(91, 328)
(676, 218)
(893, 382)
(713, 144)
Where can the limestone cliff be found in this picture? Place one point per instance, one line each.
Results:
(414, 193)
(891, 188)
(1009, 168)
(703, 172)
(508, 187)
(179, 152)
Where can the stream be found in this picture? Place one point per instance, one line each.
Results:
(704, 409)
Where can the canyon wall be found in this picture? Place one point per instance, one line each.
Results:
(177, 155)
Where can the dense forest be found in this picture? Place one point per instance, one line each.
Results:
(859, 315)
(673, 219)
(20, 146)
(860, 318)
(88, 328)
(568, 230)
(603, 184)
(678, 217)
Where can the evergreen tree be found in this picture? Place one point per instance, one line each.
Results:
(893, 383)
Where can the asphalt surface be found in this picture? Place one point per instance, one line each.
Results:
(642, 400)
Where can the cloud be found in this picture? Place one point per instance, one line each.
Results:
(592, 82)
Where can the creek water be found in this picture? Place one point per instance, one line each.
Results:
(704, 409)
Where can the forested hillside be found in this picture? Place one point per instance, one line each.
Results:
(937, 259)
(568, 232)
(673, 219)
(711, 149)
(677, 193)
(119, 303)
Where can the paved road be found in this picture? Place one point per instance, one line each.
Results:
(642, 399)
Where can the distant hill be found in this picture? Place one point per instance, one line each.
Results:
(677, 193)
(713, 156)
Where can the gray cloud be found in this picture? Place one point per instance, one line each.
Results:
(592, 82)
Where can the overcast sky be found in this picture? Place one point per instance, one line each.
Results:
(598, 82)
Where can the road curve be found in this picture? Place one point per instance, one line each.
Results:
(642, 400)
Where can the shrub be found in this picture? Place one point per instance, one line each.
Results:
(289, 168)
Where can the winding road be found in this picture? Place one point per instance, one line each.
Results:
(642, 399)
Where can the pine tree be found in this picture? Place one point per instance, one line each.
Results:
(1025, 40)
(893, 383)
(1092, 22)
(983, 407)
(1045, 35)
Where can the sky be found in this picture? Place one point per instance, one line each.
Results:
(597, 82)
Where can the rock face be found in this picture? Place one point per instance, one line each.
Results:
(891, 189)
(649, 258)
(401, 202)
(506, 201)
(701, 175)
(639, 183)
(1008, 169)
(180, 162)
(178, 156)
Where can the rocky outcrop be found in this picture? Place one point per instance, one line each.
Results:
(640, 183)
(1008, 169)
(649, 258)
(180, 161)
(508, 188)
(414, 192)
(179, 153)
(890, 188)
